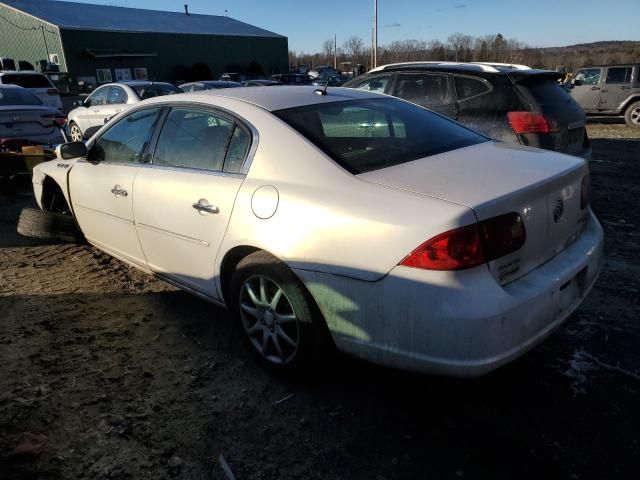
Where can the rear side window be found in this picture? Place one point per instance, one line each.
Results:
(116, 96)
(467, 87)
(238, 149)
(619, 75)
(193, 139)
(424, 89)
(27, 81)
(376, 84)
(546, 91)
(17, 96)
(367, 135)
(125, 141)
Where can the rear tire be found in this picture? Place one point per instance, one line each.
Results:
(75, 133)
(276, 314)
(49, 226)
(632, 115)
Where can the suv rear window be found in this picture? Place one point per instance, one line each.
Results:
(546, 91)
(367, 135)
(27, 81)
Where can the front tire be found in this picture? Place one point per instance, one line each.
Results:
(277, 315)
(48, 226)
(75, 133)
(632, 115)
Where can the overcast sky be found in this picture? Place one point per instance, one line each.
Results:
(309, 23)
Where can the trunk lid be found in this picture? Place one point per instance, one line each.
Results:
(26, 121)
(495, 179)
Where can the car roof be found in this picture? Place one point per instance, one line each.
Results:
(20, 72)
(278, 98)
(488, 67)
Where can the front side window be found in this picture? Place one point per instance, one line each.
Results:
(376, 84)
(116, 96)
(193, 139)
(590, 76)
(619, 75)
(127, 139)
(99, 97)
(467, 87)
(424, 89)
(367, 135)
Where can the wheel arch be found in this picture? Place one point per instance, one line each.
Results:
(629, 101)
(53, 198)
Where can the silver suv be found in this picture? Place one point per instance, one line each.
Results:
(609, 90)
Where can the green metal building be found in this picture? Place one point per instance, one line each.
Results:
(98, 43)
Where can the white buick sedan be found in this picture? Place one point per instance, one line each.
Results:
(346, 219)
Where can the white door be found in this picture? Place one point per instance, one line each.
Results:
(183, 200)
(89, 115)
(101, 186)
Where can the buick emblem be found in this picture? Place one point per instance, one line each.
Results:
(558, 210)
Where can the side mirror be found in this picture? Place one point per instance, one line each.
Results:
(70, 150)
(576, 82)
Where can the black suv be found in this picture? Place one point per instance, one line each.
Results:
(511, 103)
(609, 90)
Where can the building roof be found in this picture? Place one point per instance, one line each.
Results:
(82, 16)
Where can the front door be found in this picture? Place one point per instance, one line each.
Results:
(616, 88)
(184, 198)
(101, 186)
(586, 87)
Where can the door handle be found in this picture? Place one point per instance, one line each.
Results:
(203, 206)
(118, 191)
(595, 88)
(625, 87)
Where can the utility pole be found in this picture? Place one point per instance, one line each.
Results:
(375, 33)
(335, 51)
(46, 47)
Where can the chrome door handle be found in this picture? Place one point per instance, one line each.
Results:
(595, 88)
(119, 192)
(203, 206)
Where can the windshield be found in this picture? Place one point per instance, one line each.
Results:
(155, 90)
(366, 135)
(17, 96)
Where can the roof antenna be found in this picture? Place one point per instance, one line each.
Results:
(322, 91)
(186, 9)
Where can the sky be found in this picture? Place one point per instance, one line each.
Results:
(539, 23)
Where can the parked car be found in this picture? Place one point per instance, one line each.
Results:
(511, 103)
(261, 83)
(332, 80)
(609, 90)
(25, 121)
(323, 71)
(292, 78)
(350, 219)
(37, 83)
(109, 100)
(208, 85)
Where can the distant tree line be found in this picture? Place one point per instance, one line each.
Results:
(466, 48)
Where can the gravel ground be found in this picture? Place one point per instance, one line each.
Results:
(107, 373)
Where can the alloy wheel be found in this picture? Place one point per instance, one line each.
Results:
(269, 319)
(76, 134)
(635, 115)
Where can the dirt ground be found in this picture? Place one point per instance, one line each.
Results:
(107, 373)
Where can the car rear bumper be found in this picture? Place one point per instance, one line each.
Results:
(456, 323)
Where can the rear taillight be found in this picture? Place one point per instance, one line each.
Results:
(531, 122)
(52, 91)
(60, 120)
(469, 246)
(585, 191)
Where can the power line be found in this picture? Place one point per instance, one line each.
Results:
(40, 27)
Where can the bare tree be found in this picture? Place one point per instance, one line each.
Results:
(353, 47)
(327, 51)
(461, 45)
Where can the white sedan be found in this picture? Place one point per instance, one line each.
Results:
(346, 219)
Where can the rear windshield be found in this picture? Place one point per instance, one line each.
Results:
(367, 135)
(546, 91)
(155, 90)
(17, 96)
(27, 81)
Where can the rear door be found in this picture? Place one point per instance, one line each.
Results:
(616, 88)
(586, 87)
(116, 101)
(101, 187)
(432, 90)
(183, 200)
